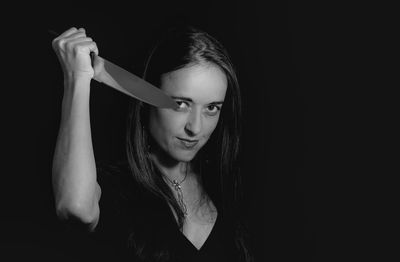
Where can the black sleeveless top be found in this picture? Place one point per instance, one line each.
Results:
(138, 226)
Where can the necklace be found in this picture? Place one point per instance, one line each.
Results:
(178, 189)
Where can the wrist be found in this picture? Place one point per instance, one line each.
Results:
(74, 79)
(70, 75)
(76, 86)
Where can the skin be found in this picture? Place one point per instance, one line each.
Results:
(199, 90)
(76, 191)
(74, 177)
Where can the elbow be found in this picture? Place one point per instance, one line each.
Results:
(76, 210)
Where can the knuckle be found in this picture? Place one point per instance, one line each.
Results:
(57, 43)
(69, 45)
(77, 49)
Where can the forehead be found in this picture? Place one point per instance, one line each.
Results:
(203, 83)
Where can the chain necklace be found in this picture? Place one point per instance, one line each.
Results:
(178, 189)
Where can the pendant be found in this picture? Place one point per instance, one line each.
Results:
(178, 189)
(176, 185)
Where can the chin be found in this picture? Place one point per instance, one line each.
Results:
(184, 156)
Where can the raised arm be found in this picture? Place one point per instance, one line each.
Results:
(75, 188)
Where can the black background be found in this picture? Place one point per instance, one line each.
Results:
(293, 64)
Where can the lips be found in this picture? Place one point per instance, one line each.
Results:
(187, 143)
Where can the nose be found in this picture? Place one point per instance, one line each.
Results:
(194, 123)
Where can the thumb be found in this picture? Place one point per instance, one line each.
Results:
(98, 66)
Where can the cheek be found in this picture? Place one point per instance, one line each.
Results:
(209, 127)
(171, 121)
(164, 123)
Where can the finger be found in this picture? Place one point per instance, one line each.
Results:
(92, 47)
(98, 65)
(68, 32)
(77, 34)
(89, 45)
(95, 49)
(60, 40)
(74, 42)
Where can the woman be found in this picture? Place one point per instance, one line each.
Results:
(176, 200)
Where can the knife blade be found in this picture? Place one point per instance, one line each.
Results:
(128, 83)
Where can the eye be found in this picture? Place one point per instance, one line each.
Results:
(182, 105)
(213, 109)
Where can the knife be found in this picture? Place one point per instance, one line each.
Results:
(128, 83)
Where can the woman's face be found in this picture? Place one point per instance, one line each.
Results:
(199, 90)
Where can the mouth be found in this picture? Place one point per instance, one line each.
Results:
(188, 143)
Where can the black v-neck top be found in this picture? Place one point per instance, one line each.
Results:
(138, 226)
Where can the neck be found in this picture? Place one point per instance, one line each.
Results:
(173, 170)
(191, 189)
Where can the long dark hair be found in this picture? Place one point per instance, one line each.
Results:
(179, 47)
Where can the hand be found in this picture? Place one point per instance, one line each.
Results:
(73, 49)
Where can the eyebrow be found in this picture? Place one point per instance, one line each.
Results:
(191, 100)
